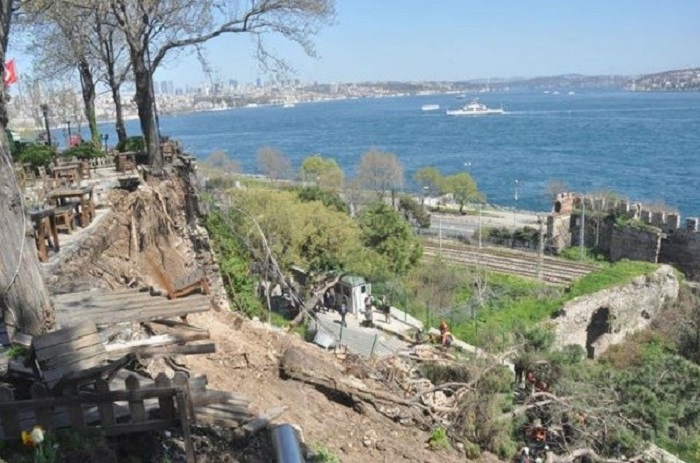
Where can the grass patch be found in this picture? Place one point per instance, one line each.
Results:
(616, 274)
(518, 302)
(438, 439)
(323, 455)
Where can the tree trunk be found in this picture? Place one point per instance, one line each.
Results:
(24, 298)
(119, 111)
(144, 102)
(87, 85)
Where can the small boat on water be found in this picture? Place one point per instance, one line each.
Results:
(288, 105)
(475, 109)
(430, 107)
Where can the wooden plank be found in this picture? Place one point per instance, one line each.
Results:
(95, 303)
(89, 295)
(68, 357)
(263, 421)
(64, 335)
(79, 365)
(86, 344)
(8, 416)
(166, 404)
(230, 417)
(138, 412)
(144, 426)
(21, 339)
(105, 409)
(152, 303)
(185, 426)
(132, 316)
(43, 414)
(189, 349)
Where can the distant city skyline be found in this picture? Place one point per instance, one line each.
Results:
(414, 40)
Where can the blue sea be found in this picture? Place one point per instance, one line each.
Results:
(641, 145)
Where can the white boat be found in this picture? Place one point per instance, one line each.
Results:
(474, 109)
(430, 107)
(572, 93)
(288, 105)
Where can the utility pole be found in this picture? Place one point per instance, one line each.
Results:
(583, 226)
(479, 224)
(540, 252)
(440, 233)
(515, 196)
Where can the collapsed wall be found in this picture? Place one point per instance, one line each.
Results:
(597, 321)
(149, 237)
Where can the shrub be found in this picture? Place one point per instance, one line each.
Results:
(37, 155)
(137, 144)
(84, 151)
(438, 439)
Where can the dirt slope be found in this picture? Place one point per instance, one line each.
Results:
(353, 437)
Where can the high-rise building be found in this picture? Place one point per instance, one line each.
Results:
(258, 82)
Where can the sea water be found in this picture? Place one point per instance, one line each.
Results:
(643, 146)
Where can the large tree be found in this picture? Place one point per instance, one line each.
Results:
(62, 24)
(273, 163)
(24, 298)
(381, 172)
(430, 181)
(155, 28)
(325, 172)
(463, 189)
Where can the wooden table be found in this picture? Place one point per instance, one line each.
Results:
(70, 172)
(44, 229)
(84, 205)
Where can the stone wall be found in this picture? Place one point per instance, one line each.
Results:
(599, 320)
(634, 244)
(558, 232)
(683, 251)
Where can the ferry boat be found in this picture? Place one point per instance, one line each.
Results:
(474, 109)
(430, 107)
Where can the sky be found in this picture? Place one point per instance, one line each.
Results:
(414, 40)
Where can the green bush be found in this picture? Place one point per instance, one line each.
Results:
(84, 151)
(37, 155)
(438, 439)
(137, 144)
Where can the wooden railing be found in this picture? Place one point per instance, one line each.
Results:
(164, 405)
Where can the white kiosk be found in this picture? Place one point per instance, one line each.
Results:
(356, 289)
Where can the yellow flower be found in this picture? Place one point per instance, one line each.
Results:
(27, 439)
(34, 437)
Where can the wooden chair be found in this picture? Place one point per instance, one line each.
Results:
(45, 233)
(65, 219)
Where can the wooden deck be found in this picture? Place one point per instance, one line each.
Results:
(121, 306)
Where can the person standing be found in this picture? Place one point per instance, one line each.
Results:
(343, 312)
(385, 308)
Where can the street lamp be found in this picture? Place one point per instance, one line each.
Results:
(69, 132)
(515, 196)
(45, 111)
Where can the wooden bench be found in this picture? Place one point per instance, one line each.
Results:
(73, 356)
(189, 284)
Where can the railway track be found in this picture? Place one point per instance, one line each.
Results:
(553, 270)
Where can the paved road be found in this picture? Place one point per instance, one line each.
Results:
(467, 225)
(365, 341)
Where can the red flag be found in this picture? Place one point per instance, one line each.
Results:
(10, 76)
